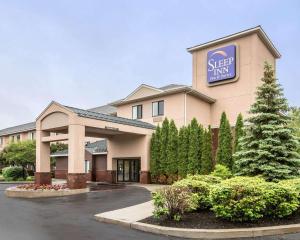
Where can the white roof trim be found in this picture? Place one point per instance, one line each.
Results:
(261, 33)
(99, 153)
(140, 87)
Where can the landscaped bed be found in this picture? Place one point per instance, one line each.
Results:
(207, 220)
(38, 191)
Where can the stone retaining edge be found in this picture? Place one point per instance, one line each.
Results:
(17, 193)
(216, 233)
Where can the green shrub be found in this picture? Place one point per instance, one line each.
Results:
(200, 185)
(222, 172)
(14, 173)
(172, 202)
(205, 178)
(251, 198)
(281, 200)
(200, 188)
(293, 183)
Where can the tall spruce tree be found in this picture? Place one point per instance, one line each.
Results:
(224, 151)
(183, 148)
(164, 138)
(155, 152)
(239, 131)
(172, 150)
(194, 153)
(206, 157)
(269, 147)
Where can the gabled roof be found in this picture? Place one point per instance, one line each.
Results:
(110, 118)
(168, 90)
(18, 129)
(258, 30)
(98, 147)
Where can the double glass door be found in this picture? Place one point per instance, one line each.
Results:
(128, 170)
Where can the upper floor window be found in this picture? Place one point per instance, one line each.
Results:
(158, 108)
(137, 112)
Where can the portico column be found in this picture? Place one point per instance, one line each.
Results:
(43, 173)
(145, 177)
(111, 175)
(76, 156)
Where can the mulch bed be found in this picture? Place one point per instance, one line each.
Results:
(207, 220)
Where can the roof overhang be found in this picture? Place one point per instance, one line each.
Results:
(185, 89)
(258, 30)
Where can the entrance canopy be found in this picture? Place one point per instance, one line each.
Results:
(126, 138)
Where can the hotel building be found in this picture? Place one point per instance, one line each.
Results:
(226, 73)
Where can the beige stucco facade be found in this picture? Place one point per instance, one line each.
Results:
(233, 97)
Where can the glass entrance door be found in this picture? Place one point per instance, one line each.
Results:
(128, 170)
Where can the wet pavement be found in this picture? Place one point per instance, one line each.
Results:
(72, 217)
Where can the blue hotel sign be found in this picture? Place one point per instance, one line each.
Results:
(221, 64)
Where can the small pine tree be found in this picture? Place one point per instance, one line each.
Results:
(155, 152)
(172, 150)
(183, 147)
(163, 146)
(239, 131)
(269, 147)
(194, 153)
(206, 157)
(224, 151)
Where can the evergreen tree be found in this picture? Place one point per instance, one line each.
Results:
(194, 153)
(239, 131)
(172, 149)
(224, 151)
(183, 148)
(206, 157)
(269, 147)
(155, 152)
(163, 146)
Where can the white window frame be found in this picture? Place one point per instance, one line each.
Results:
(135, 112)
(155, 106)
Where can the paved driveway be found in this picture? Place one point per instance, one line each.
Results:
(71, 217)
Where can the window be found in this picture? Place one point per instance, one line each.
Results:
(31, 135)
(18, 137)
(137, 112)
(158, 108)
(1, 140)
(87, 166)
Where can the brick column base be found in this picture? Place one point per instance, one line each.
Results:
(76, 180)
(42, 178)
(145, 177)
(111, 176)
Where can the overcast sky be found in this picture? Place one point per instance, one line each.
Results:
(88, 53)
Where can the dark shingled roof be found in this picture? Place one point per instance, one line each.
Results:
(17, 129)
(106, 109)
(110, 118)
(93, 148)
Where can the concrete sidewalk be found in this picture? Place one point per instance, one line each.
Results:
(127, 216)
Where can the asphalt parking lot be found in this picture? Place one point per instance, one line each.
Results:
(71, 218)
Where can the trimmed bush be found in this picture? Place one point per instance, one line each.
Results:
(200, 188)
(293, 183)
(205, 178)
(13, 173)
(172, 202)
(251, 198)
(222, 172)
